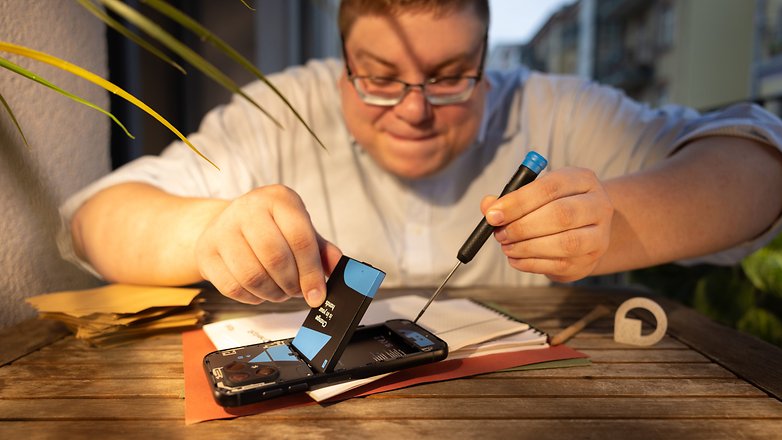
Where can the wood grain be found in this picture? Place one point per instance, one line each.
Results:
(701, 381)
(28, 336)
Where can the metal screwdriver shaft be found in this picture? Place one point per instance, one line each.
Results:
(437, 292)
(532, 165)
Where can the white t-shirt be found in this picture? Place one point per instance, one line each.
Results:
(413, 229)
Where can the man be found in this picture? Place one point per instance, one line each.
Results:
(417, 134)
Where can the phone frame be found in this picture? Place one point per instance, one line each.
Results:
(300, 376)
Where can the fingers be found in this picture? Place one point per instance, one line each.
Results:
(565, 256)
(563, 214)
(267, 267)
(263, 247)
(558, 270)
(237, 273)
(558, 225)
(214, 269)
(564, 245)
(288, 250)
(546, 189)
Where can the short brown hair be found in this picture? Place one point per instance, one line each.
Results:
(350, 10)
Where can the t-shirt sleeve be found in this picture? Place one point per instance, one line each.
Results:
(597, 127)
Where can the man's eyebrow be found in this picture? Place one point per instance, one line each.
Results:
(363, 53)
(453, 61)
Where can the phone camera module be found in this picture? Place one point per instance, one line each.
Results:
(242, 373)
(267, 373)
(238, 377)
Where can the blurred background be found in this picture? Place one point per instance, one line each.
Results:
(700, 53)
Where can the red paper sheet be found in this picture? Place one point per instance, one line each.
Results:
(200, 405)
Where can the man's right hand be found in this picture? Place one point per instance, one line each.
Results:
(263, 247)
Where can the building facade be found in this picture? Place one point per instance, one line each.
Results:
(699, 53)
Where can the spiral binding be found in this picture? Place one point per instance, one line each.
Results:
(511, 317)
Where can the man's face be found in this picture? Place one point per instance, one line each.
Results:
(414, 138)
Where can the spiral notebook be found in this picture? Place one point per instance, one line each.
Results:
(470, 329)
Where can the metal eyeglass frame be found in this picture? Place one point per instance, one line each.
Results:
(433, 100)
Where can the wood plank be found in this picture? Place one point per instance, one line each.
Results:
(639, 370)
(572, 387)
(98, 388)
(166, 341)
(132, 370)
(27, 337)
(92, 409)
(698, 429)
(579, 342)
(480, 386)
(748, 357)
(734, 350)
(128, 370)
(403, 409)
(101, 356)
(639, 355)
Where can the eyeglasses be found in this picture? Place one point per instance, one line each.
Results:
(384, 91)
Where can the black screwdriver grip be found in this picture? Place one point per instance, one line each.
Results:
(482, 232)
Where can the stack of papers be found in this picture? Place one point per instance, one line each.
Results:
(119, 313)
(470, 329)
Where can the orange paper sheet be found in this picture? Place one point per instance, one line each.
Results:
(200, 405)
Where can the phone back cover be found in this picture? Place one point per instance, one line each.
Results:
(327, 329)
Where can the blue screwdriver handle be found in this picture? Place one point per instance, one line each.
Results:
(529, 169)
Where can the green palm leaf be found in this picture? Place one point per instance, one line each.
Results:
(247, 5)
(13, 118)
(156, 32)
(117, 26)
(95, 79)
(206, 35)
(30, 75)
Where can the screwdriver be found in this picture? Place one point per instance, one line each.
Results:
(530, 167)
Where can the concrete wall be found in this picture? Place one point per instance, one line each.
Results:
(68, 147)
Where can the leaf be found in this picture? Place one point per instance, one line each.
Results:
(776, 243)
(763, 324)
(724, 296)
(764, 269)
(247, 5)
(95, 79)
(156, 32)
(13, 118)
(206, 35)
(30, 75)
(117, 26)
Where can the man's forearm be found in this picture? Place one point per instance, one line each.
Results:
(136, 233)
(715, 193)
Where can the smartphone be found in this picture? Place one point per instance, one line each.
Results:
(240, 376)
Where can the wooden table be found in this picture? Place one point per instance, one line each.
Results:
(702, 380)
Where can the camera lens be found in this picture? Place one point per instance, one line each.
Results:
(267, 373)
(238, 377)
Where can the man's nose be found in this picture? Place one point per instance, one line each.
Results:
(414, 108)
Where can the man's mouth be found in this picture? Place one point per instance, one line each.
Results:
(412, 137)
